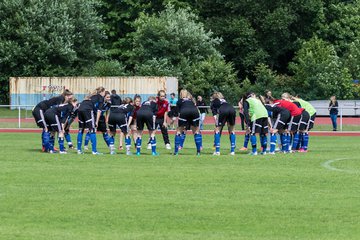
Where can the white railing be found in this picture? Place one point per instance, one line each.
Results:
(324, 111)
(341, 115)
(19, 108)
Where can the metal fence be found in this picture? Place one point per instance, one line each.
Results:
(346, 107)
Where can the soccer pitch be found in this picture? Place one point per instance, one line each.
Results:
(295, 196)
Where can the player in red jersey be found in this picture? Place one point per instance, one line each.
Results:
(133, 129)
(298, 115)
(163, 108)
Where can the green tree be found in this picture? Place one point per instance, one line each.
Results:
(46, 37)
(240, 44)
(213, 74)
(107, 68)
(319, 72)
(175, 43)
(260, 31)
(119, 17)
(267, 79)
(352, 59)
(341, 26)
(174, 35)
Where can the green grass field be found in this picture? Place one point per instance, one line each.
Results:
(295, 196)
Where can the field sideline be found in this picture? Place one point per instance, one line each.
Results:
(294, 196)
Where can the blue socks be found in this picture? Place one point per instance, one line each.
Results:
(198, 141)
(61, 144)
(217, 142)
(153, 144)
(299, 145)
(68, 137)
(93, 141)
(46, 140)
(263, 141)
(284, 144)
(111, 140)
(138, 145)
(106, 138)
(128, 143)
(305, 141)
(111, 144)
(49, 141)
(182, 136)
(177, 143)
(295, 141)
(79, 140)
(52, 142)
(246, 140)
(232, 142)
(289, 140)
(273, 139)
(253, 143)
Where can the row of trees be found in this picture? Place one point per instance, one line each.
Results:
(311, 48)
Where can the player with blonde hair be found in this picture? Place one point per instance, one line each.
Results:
(223, 113)
(188, 116)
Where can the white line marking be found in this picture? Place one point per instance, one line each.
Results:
(328, 166)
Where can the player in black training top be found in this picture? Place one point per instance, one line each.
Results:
(280, 118)
(55, 118)
(121, 117)
(116, 101)
(40, 109)
(103, 117)
(146, 115)
(223, 113)
(188, 116)
(92, 103)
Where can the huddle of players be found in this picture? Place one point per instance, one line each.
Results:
(96, 114)
(291, 117)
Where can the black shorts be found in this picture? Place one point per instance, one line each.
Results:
(311, 122)
(38, 114)
(189, 117)
(259, 126)
(227, 115)
(304, 121)
(173, 112)
(102, 124)
(282, 120)
(118, 120)
(86, 120)
(53, 123)
(145, 117)
(159, 123)
(293, 125)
